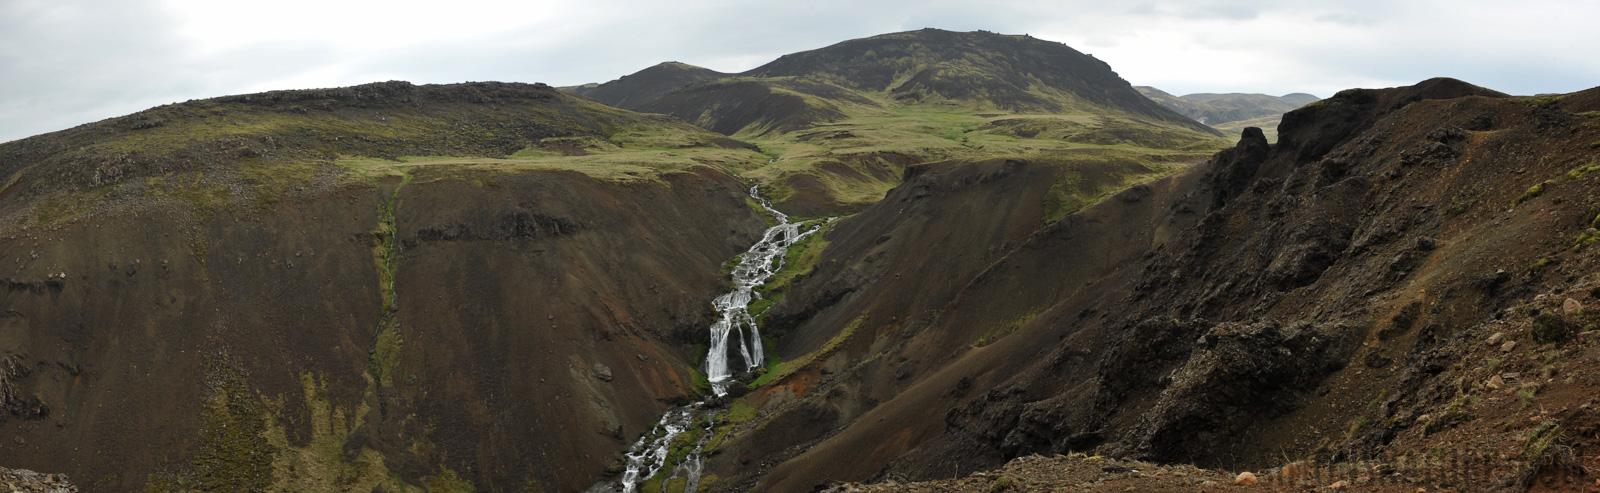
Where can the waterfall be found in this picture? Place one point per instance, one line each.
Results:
(735, 325)
(756, 265)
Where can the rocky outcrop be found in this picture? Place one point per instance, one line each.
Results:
(1236, 376)
(13, 403)
(516, 224)
(25, 481)
(1232, 171)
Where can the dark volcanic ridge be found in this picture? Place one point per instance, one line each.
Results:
(1254, 310)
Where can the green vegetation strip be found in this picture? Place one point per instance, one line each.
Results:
(777, 370)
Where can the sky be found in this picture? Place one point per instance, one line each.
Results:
(68, 62)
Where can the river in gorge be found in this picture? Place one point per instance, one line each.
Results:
(735, 348)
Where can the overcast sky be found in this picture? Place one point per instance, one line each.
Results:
(69, 62)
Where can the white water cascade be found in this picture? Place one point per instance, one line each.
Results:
(652, 452)
(763, 260)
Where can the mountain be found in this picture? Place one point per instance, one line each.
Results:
(1010, 73)
(385, 286)
(633, 91)
(510, 287)
(1232, 112)
(1013, 73)
(843, 121)
(1216, 109)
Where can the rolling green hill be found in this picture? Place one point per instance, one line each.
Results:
(840, 123)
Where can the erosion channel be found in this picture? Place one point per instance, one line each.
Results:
(653, 452)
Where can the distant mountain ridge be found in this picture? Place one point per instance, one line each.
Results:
(1216, 109)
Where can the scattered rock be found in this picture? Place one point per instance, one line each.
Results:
(1296, 469)
(1571, 307)
(23, 480)
(602, 372)
(1495, 383)
(1508, 346)
(1339, 485)
(1494, 338)
(1550, 328)
(1245, 479)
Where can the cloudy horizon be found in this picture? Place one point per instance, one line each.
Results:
(65, 63)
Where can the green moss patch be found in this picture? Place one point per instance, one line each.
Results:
(1532, 193)
(233, 453)
(777, 370)
(322, 463)
(798, 261)
(1005, 329)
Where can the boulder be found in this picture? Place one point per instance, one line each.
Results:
(1246, 479)
(1296, 469)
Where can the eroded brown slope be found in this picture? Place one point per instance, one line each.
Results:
(536, 278)
(240, 297)
(903, 265)
(1301, 257)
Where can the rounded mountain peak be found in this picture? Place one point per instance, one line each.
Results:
(1014, 72)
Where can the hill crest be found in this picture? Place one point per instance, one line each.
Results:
(1015, 73)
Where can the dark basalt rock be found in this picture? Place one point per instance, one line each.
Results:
(1238, 373)
(1234, 170)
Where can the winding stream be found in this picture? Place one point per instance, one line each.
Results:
(735, 327)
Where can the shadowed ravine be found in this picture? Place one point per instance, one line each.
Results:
(653, 451)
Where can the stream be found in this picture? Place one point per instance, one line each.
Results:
(735, 327)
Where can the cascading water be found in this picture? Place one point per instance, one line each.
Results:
(652, 452)
(763, 260)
